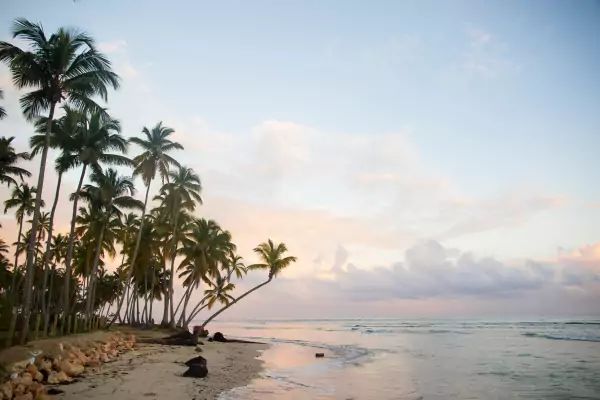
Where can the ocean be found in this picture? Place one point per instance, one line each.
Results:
(422, 359)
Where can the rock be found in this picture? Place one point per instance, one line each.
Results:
(58, 377)
(198, 349)
(196, 367)
(319, 355)
(71, 368)
(199, 331)
(218, 337)
(6, 390)
(25, 396)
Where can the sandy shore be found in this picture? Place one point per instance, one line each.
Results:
(155, 372)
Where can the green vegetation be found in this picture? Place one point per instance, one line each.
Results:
(63, 279)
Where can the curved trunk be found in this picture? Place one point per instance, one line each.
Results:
(135, 253)
(46, 304)
(29, 270)
(235, 301)
(69, 257)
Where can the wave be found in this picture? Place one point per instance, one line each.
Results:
(562, 337)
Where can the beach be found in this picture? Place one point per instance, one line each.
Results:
(155, 372)
(152, 371)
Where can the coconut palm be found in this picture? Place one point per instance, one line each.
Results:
(8, 161)
(181, 193)
(108, 194)
(154, 158)
(94, 141)
(273, 260)
(22, 199)
(63, 67)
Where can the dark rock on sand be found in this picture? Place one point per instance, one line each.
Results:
(218, 337)
(199, 331)
(319, 355)
(196, 367)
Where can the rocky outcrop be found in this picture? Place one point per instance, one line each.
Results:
(61, 367)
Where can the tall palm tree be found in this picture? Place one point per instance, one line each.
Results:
(64, 67)
(182, 192)
(22, 199)
(61, 139)
(8, 159)
(96, 137)
(154, 158)
(273, 260)
(108, 194)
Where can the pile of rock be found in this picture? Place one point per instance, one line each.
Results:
(66, 363)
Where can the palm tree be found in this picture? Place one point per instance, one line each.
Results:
(182, 192)
(64, 67)
(23, 200)
(108, 196)
(2, 111)
(8, 159)
(273, 260)
(154, 157)
(95, 138)
(61, 139)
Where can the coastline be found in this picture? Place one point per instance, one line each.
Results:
(155, 372)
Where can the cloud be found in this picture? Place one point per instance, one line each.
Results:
(115, 46)
(486, 56)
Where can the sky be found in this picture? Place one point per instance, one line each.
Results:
(420, 158)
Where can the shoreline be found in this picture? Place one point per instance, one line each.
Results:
(155, 372)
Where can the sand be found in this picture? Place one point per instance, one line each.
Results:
(152, 371)
(155, 372)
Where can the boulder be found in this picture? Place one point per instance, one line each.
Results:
(71, 368)
(319, 355)
(24, 396)
(6, 390)
(218, 337)
(196, 367)
(197, 330)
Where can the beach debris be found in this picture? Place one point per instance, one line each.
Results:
(196, 367)
(198, 349)
(319, 355)
(218, 337)
(198, 330)
(60, 366)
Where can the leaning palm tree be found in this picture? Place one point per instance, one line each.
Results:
(108, 194)
(273, 260)
(94, 140)
(8, 159)
(63, 67)
(154, 158)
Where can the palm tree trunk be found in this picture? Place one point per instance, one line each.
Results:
(50, 290)
(165, 317)
(172, 281)
(69, 257)
(152, 285)
(92, 281)
(234, 301)
(135, 251)
(13, 285)
(34, 227)
(46, 307)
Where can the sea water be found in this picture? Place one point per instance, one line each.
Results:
(422, 359)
